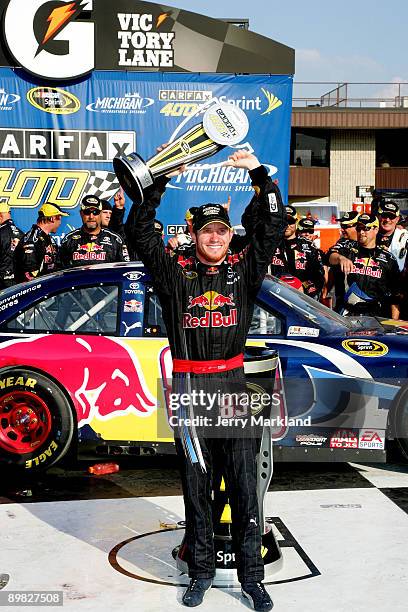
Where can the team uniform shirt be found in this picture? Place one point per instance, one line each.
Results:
(36, 254)
(376, 279)
(340, 244)
(302, 259)
(396, 243)
(10, 236)
(80, 248)
(194, 297)
(384, 241)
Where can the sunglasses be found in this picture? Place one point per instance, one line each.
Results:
(388, 216)
(91, 211)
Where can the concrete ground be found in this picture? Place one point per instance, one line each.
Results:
(342, 529)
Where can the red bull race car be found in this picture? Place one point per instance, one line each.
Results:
(84, 356)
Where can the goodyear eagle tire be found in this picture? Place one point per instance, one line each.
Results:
(398, 422)
(36, 420)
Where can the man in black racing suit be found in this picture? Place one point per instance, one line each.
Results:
(37, 253)
(298, 256)
(91, 243)
(10, 236)
(372, 276)
(348, 239)
(207, 301)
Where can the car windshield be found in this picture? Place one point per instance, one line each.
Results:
(314, 312)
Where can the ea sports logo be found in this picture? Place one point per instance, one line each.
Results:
(46, 39)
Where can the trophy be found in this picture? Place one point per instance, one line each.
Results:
(222, 125)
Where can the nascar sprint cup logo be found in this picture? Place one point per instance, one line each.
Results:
(46, 38)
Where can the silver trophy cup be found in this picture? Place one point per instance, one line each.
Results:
(222, 125)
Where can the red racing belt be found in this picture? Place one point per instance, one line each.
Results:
(208, 367)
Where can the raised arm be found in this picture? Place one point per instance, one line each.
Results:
(267, 218)
(141, 237)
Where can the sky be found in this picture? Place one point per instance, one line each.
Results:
(349, 41)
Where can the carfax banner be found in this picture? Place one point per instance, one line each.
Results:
(58, 143)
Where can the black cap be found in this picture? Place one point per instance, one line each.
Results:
(291, 214)
(349, 218)
(91, 201)
(390, 208)
(210, 213)
(368, 221)
(106, 205)
(306, 225)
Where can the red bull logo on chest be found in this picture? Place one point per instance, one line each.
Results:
(211, 301)
(367, 267)
(88, 252)
(300, 260)
(277, 261)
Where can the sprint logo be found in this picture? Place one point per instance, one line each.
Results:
(184, 106)
(273, 101)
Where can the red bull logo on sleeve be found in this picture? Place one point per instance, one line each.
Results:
(210, 301)
(103, 378)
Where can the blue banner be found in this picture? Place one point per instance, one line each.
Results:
(57, 143)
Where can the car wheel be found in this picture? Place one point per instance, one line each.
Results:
(36, 420)
(398, 422)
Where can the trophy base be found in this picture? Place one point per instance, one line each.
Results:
(133, 175)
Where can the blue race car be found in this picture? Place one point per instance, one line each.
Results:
(84, 354)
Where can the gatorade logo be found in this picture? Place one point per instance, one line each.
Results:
(47, 39)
